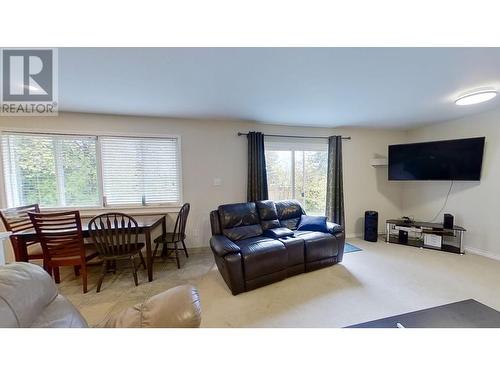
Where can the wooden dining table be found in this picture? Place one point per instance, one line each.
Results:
(146, 225)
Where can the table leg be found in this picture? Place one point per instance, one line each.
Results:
(164, 226)
(20, 249)
(149, 255)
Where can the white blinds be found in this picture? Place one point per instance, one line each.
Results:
(63, 170)
(140, 171)
(295, 144)
(52, 170)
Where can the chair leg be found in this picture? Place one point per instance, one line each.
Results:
(57, 276)
(134, 270)
(84, 277)
(47, 268)
(185, 249)
(103, 273)
(177, 255)
(77, 270)
(155, 250)
(142, 259)
(164, 250)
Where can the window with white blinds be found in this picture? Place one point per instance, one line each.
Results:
(52, 170)
(90, 171)
(140, 171)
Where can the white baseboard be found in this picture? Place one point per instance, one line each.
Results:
(360, 235)
(468, 249)
(483, 253)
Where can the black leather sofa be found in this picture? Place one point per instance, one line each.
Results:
(257, 243)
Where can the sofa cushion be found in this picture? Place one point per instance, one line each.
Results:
(318, 245)
(291, 224)
(295, 249)
(268, 214)
(238, 214)
(289, 213)
(267, 210)
(240, 233)
(288, 209)
(270, 224)
(313, 223)
(262, 256)
(239, 221)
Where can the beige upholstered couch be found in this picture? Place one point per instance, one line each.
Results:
(29, 298)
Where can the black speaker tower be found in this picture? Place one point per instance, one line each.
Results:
(371, 226)
(448, 221)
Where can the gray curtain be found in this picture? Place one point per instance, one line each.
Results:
(257, 176)
(334, 185)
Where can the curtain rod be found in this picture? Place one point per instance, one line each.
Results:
(292, 136)
(83, 135)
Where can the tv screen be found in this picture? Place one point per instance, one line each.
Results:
(458, 160)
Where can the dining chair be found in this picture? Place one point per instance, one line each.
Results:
(116, 236)
(60, 234)
(178, 235)
(16, 220)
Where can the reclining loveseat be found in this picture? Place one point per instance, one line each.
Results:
(257, 243)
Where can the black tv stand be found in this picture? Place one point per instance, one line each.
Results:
(426, 235)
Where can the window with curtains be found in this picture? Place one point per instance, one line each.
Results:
(297, 169)
(90, 171)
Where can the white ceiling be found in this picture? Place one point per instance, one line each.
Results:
(370, 87)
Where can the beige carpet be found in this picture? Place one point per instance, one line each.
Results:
(118, 291)
(382, 280)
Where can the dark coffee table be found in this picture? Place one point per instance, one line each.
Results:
(464, 314)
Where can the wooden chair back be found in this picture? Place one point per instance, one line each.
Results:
(180, 222)
(114, 234)
(16, 219)
(60, 234)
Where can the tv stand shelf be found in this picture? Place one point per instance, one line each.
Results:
(425, 235)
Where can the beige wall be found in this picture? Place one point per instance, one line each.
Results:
(212, 149)
(475, 204)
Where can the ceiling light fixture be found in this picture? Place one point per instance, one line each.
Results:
(475, 97)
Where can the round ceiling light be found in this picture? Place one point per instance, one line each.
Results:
(476, 97)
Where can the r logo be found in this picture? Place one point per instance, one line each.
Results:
(27, 75)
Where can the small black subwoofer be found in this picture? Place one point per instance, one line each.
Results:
(448, 221)
(403, 237)
(371, 226)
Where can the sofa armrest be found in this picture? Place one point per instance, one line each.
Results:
(278, 233)
(178, 307)
(221, 245)
(333, 228)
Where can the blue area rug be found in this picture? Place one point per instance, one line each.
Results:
(348, 248)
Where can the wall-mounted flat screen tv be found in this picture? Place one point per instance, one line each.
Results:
(457, 160)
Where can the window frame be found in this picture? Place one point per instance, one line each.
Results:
(100, 183)
(293, 145)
